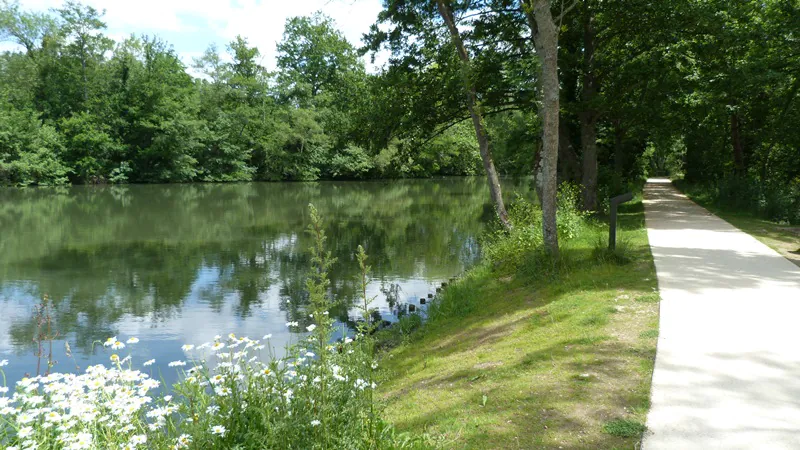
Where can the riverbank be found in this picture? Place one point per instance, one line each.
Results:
(536, 357)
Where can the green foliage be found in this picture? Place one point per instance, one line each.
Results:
(570, 215)
(507, 249)
(624, 428)
(129, 111)
(772, 201)
(29, 151)
(352, 162)
(90, 149)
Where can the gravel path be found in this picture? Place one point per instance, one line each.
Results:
(727, 371)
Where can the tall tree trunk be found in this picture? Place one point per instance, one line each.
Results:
(738, 145)
(475, 111)
(589, 116)
(545, 38)
(568, 163)
(619, 150)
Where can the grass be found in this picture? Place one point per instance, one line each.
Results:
(544, 357)
(785, 239)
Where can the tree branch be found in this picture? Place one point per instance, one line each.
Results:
(564, 11)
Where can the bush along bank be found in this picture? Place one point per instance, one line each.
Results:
(527, 352)
(233, 392)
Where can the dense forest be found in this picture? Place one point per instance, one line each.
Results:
(707, 90)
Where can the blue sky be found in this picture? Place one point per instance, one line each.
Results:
(191, 25)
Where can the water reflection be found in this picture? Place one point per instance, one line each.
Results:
(174, 264)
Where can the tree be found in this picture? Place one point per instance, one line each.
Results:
(452, 77)
(545, 36)
(25, 28)
(313, 58)
(81, 27)
(475, 111)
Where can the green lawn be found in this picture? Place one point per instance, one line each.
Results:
(785, 239)
(536, 361)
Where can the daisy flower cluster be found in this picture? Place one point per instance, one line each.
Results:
(247, 391)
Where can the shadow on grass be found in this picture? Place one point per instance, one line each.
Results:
(540, 358)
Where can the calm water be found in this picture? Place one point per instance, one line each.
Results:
(175, 264)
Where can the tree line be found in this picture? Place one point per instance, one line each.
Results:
(78, 107)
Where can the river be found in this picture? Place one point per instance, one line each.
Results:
(177, 264)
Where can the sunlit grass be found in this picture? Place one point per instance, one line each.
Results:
(545, 356)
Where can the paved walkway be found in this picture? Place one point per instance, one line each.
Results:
(727, 372)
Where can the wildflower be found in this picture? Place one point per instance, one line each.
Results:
(3, 389)
(183, 441)
(139, 439)
(117, 345)
(133, 340)
(177, 364)
(222, 391)
(311, 327)
(266, 336)
(315, 422)
(187, 347)
(167, 398)
(217, 337)
(3, 363)
(217, 346)
(213, 409)
(114, 358)
(218, 430)
(310, 354)
(232, 337)
(84, 440)
(347, 340)
(149, 362)
(25, 432)
(110, 341)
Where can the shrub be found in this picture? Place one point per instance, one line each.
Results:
(773, 200)
(506, 249)
(624, 428)
(570, 216)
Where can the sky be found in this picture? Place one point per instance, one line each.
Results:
(191, 25)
